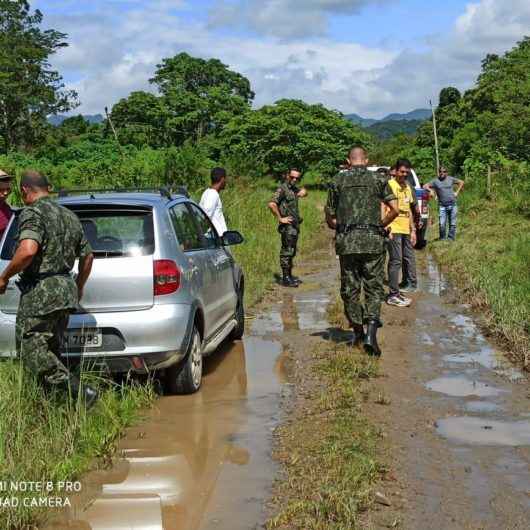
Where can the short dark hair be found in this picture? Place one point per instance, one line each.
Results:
(217, 174)
(294, 169)
(403, 162)
(35, 180)
(356, 147)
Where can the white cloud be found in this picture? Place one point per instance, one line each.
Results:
(288, 19)
(110, 56)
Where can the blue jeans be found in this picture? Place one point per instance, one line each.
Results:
(448, 215)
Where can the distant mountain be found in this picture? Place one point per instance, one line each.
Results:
(358, 120)
(418, 114)
(392, 124)
(57, 119)
(389, 128)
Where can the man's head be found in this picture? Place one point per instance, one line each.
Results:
(402, 170)
(218, 178)
(5, 185)
(443, 172)
(33, 186)
(293, 176)
(358, 156)
(392, 171)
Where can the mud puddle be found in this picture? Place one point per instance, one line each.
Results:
(204, 461)
(479, 404)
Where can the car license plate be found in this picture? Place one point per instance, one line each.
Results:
(84, 338)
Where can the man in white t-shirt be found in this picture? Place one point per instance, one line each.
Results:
(211, 200)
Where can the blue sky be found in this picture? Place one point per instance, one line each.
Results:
(366, 56)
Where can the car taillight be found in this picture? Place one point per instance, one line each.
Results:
(166, 277)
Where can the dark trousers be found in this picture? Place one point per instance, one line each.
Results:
(362, 273)
(400, 256)
(39, 340)
(289, 235)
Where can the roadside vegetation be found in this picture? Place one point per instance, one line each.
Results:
(46, 438)
(329, 447)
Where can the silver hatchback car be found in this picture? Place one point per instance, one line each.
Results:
(164, 290)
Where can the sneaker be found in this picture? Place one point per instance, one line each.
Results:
(408, 301)
(397, 301)
(407, 288)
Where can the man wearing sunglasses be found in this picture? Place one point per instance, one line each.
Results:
(284, 206)
(5, 210)
(443, 189)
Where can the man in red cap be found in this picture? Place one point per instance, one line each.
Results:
(5, 210)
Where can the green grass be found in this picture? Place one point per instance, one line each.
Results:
(48, 439)
(246, 210)
(490, 264)
(329, 448)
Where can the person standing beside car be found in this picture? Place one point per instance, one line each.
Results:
(50, 238)
(211, 200)
(5, 210)
(444, 191)
(402, 236)
(284, 206)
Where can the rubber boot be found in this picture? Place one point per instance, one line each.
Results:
(358, 334)
(370, 340)
(294, 278)
(287, 280)
(89, 396)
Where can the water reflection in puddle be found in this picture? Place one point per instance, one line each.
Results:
(481, 431)
(198, 459)
(460, 386)
(481, 406)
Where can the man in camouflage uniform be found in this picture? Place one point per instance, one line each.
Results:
(284, 206)
(50, 238)
(354, 210)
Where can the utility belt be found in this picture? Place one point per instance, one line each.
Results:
(347, 228)
(28, 282)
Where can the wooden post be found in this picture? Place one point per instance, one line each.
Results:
(435, 139)
(114, 131)
(488, 183)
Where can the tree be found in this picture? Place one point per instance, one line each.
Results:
(292, 133)
(448, 96)
(30, 89)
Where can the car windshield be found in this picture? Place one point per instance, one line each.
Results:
(110, 232)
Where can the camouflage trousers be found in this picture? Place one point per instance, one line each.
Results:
(38, 341)
(362, 272)
(289, 235)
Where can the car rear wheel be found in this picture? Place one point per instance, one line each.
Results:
(238, 332)
(186, 378)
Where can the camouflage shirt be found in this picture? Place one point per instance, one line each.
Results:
(354, 198)
(286, 197)
(47, 284)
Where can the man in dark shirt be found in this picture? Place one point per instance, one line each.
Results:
(5, 210)
(443, 189)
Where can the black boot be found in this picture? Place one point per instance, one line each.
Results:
(370, 340)
(88, 396)
(287, 279)
(358, 334)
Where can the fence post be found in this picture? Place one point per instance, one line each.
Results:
(488, 183)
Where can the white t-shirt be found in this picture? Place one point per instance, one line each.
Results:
(212, 205)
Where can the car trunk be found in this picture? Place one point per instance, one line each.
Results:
(122, 274)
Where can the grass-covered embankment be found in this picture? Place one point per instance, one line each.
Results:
(46, 439)
(490, 264)
(329, 447)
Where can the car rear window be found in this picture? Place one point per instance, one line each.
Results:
(110, 232)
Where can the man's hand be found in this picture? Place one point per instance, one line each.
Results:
(413, 238)
(3, 285)
(302, 193)
(286, 220)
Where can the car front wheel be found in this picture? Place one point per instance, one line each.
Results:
(186, 377)
(238, 332)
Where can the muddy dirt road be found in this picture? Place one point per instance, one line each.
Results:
(457, 426)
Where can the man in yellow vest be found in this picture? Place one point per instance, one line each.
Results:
(402, 234)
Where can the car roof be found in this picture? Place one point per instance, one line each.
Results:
(122, 199)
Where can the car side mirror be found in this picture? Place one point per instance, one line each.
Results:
(232, 237)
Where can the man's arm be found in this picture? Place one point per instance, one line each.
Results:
(430, 189)
(459, 186)
(331, 207)
(84, 270)
(392, 212)
(273, 206)
(26, 251)
(302, 193)
(413, 238)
